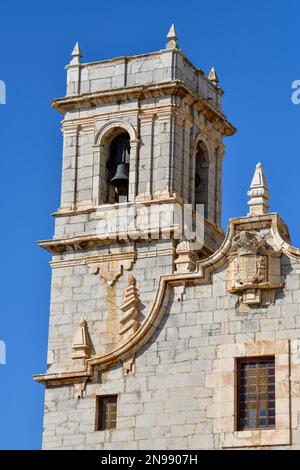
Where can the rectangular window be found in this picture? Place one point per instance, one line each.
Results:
(106, 412)
(256, 393)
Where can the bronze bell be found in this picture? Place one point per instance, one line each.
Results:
(121, 178)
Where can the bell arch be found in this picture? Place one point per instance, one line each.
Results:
(109, 142)
(200, 180)
(117, 168)
(112, 127)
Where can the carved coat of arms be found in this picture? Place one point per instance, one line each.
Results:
(249, 270)
(252, 267)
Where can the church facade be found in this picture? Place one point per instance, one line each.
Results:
(164, 332)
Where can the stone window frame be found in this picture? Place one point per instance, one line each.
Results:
(261, 377)
(100, 424)
(223, 381)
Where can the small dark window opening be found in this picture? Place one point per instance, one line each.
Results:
(118, 169)
(256, 393)
(201, 178)
(106, 410)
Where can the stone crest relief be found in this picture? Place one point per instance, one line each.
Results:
(254, 269)
(250, 269)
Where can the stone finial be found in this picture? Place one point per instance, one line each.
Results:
(81, 343)
(213, 77)
(76, 54)
(186, 257)
(258, 193)
(130, 308)
(172, 38)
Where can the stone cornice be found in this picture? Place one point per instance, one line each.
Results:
(175, 87)
(84, 242)
(201, 275)
(57, 246)
(87, 260)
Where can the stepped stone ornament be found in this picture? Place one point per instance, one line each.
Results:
(254, 270)
(258, 193)
(81, 343)
(129, 319)
(172, 38)
(213, 77)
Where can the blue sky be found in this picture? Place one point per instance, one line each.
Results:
(254, 47)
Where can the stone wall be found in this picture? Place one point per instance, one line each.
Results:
(173, 399)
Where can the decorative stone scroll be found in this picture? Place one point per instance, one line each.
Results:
(81, 342)
(254, 269)
(129, 319)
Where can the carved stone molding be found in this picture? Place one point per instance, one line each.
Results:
(175, 88)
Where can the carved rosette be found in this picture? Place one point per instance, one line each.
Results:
(254, 269)
(130, 308)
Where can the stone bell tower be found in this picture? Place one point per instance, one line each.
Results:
(139, 132)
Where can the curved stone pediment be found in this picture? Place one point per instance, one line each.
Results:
(268, 234)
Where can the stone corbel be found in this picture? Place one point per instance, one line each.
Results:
(111, 270)
(79, 389)
(179, 292)
(129, 365)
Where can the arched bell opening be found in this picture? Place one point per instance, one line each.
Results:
(201, 177)
(117, 169)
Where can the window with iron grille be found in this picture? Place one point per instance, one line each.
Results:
(106, 412)
(256, 393)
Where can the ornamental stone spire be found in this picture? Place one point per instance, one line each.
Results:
(172, 37)
(213, 77)
(130, 308)
(76, 54)
(258, 193)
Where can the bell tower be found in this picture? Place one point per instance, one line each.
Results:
(140, 133)
(154, 120)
